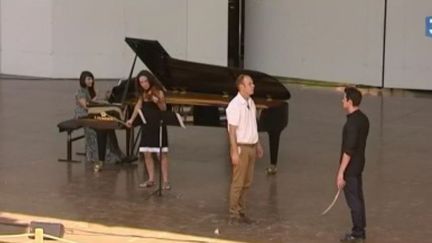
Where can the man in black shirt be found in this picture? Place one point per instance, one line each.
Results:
(352, 161)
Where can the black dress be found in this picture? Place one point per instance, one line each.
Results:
(150, 130)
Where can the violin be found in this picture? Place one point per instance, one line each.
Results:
(153, 94)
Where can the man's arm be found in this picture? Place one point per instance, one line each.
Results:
(233, 144)
(348, 147)
(340, 181)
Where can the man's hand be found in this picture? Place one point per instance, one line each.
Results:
(340, 182)
(259, 151)
(235, 158)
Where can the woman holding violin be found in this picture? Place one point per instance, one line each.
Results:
(151, 98)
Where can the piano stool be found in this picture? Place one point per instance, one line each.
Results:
(69, 126)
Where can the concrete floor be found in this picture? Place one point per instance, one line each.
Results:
(287, 206)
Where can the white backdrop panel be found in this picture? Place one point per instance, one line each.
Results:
(87, 35)
(59, 38)
(335, 40)
(208, 31)
(409, 51)
(26, 37)
(162, 20)
(0, 37)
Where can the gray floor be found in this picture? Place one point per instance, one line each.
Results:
(287, 206)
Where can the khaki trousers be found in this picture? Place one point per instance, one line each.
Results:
(242, 175)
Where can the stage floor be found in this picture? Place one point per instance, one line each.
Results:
(287, 206)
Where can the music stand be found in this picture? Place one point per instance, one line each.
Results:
(163, 118)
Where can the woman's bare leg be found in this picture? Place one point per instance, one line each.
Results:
(149, 165)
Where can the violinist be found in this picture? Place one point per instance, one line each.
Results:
(151, 97)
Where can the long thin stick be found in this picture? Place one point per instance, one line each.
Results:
(332, 203)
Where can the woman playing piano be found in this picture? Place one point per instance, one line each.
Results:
(151, 99)
(84, 96)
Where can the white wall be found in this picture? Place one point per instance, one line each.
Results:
(409, 51)
(87, 35)
(213, 49)
(82, 34)
(334, 40)
(162, 20)
(341, 41)
(26, 37)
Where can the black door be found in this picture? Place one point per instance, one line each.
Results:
(235, 33)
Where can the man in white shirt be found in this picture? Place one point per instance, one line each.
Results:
(244, 146)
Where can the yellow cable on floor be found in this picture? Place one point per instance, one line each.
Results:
(16, 236)
(58, 239)
(32, 235)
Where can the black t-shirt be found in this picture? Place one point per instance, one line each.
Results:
(355, 132)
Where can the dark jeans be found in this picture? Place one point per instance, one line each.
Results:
(354, 197)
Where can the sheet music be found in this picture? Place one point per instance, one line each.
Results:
(180, 120)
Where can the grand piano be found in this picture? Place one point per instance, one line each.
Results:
(200, 92)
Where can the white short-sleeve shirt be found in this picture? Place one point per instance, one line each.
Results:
(242, 113)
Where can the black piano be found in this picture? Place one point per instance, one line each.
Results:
(200, 92)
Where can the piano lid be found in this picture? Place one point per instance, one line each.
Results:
(188, 76)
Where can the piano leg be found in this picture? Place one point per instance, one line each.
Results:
(130, 146)
(128, 140)
(101, 142)
(274, 137)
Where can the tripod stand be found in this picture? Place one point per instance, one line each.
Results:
(158, 191)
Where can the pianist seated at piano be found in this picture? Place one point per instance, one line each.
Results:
(86, 95)
(151, 99)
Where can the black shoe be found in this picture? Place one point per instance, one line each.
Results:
(245, 219)
(351, 238)
(233, 220)
(240, 219)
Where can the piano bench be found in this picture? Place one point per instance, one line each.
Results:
(69, 126)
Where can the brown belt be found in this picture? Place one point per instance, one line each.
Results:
(247, 144)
